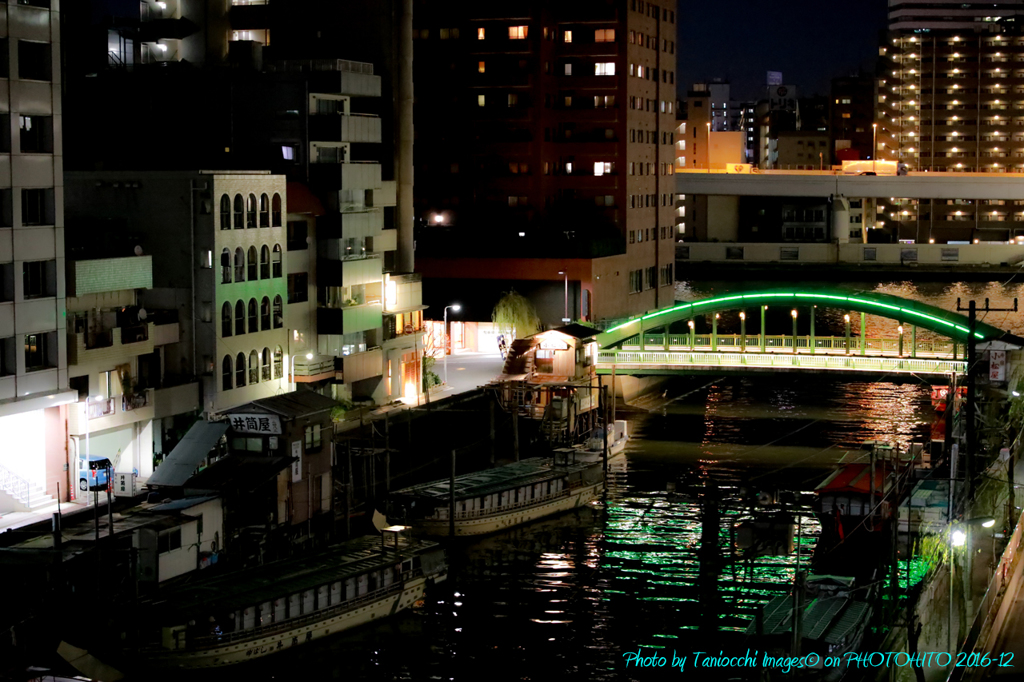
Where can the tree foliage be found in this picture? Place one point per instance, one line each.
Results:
(515, 316)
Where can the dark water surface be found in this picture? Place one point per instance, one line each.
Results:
(565, 598)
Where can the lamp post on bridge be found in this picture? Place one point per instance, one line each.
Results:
(714, 333)
(900, 330)
(763, 335)
(846, 319)
(793, 314)
(743, 332)
(690, 325)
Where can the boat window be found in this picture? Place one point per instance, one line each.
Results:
(307, 601)
(293, 605)
(280, 606)
(321, 597)
(389, 576)
(336, 592)
(361, 584)
(545, 362)
(350, 588)
(249, 618)
(407, 565)
(266, 614)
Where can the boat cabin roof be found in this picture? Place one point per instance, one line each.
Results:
(525, 472)
(240, 589)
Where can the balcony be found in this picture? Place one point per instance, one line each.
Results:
(350, 319)
(339, 76)
(316, 369)
(351, 175)
(360, 366)
(110, 274)
(356, 269)
(109, 346)
(168, 402)
(403, 293)
(110, 413)
(345, 128)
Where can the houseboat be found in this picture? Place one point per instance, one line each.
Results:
(498, 498)
(593, 449)
(242, 616)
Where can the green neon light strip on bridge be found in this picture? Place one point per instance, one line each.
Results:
(849, 299)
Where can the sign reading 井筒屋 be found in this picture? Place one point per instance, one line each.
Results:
(268, 424)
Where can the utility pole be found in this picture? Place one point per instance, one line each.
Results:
(970, 427)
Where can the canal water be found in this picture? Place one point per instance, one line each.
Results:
(565, 598)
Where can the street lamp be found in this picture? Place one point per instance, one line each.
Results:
(456, 307)
(566, 319)
(793, 314)
(846, 319)
(743, 332)
(874, 133)
(900, 330)
(690, 325)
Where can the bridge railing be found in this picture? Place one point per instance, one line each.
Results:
(778, 343)
(626, 360)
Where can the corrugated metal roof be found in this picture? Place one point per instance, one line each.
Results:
(819, 616)
(294, 404)
(186, 455)
(183, 503)
(525, 472)
(778, 616)
(850, 620)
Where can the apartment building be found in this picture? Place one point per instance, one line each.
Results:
(551, 150)
(34, 395)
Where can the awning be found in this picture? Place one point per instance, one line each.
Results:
(178, 466)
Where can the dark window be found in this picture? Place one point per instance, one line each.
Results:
(312, 438)
(297, 232)
(40, 351)
(254, 321)
(278, 362)
(40, 278)
(276, 208)
(169, 541)
(265, 262)
(278, 313)
(250, 213)
(239, 212)
(264, 210)
(36, 134)
(240, 370)
(265, 364)
(225, 319)
(226, 369)
(239, 265)
(265, 314)
(298, 287)
(37, 207)
(252, 264)
(5, 60)
(254, 368)
(225, 212)
(34, 61)
(7, 282)
(9, 362)
(225, 266)
(275, 261)
(239, 318)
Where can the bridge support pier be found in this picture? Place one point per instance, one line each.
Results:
(714, 333)
(812, 329)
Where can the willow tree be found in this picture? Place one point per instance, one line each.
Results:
(515, 316)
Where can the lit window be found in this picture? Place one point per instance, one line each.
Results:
(288, 153)
(604, 69)
(566, 38)
(517, 32)
(479, 34)
(480, 100)
(568, 69)
(513, 100)
(481, 67)
(640, 71)
(604, 35)
(602, 167)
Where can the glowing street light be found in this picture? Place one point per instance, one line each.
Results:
(456, 307)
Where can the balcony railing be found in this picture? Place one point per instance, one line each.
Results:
(103, 339)
(134, 402)
(134, 334)
(101, 408)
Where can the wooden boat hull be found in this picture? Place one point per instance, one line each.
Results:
(256, 647)
(500, 520)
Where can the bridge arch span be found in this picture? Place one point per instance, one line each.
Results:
(938, 320)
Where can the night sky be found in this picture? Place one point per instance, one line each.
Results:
(809, 41)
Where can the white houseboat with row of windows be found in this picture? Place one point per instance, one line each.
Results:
(487, 501)
(242, 616)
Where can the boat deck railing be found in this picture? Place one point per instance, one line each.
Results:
(212, 641)
(476, 513)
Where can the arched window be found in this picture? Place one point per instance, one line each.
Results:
(225, 319)
(239, 265)
(254, 368)
(278, 361)
(239, 212)
(226, 383)
(265, 314)
(225, 212)
(265, 364)
(239, 318)
(250, 211)
(277, 211)
(265, 262)
(225, 266)
(254, 320)
(240, 370)
(264, 210)
(252, 264)
(278, 312)
(276, 261)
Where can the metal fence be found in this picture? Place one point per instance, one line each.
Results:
(627, 360)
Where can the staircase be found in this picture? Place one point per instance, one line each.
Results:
(20, 495)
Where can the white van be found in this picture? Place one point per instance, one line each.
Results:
(870, 167)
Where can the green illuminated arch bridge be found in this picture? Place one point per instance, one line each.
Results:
(618, 345)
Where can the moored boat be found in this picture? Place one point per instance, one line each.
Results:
(241, 616)
(593, 449)
(491, 500)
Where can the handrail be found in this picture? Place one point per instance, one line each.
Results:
(14, 485)
(872, 345)
(795, 360)
(305, 619)
(565, 492)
